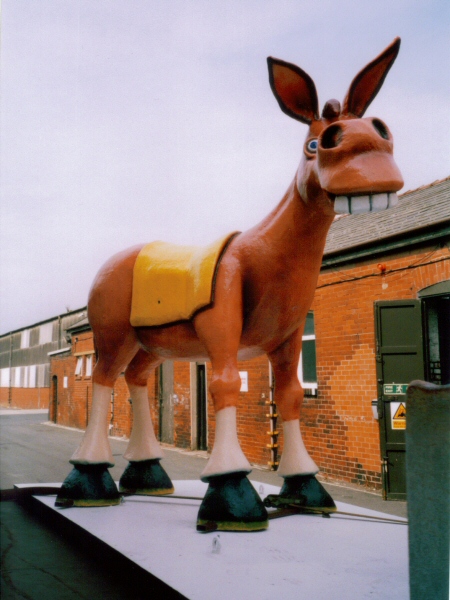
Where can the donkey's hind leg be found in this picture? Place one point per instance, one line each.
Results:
(296, 465)
(90, 483)
(144, 474)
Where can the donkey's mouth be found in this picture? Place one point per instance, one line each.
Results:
(357, 205)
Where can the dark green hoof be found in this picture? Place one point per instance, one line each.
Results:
(145, 477)
(307, 492)
(88, 485)
(231, 503)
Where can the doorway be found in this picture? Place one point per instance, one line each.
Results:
(412, 342)
(54, 400)
(436, 309)
(201, 409)
(165, 396)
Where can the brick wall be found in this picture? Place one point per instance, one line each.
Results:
(182, 405)
(338, 425)
(73, 400)
(24, 398)
(252, 422)
(75, 391)
(251, 414)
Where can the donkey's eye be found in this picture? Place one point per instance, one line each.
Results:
(311, 146)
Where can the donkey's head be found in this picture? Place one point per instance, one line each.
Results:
(347, 161)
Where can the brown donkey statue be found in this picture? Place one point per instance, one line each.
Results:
(261, 286)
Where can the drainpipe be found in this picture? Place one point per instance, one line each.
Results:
(384, 476)
(59, 332)
(87, 406)
(111, 423)
(273, 432)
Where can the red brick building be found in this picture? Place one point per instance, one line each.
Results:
(380, 318)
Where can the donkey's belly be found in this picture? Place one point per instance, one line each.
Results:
(176, 342)
(180, 342)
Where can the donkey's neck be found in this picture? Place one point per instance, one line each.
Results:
(280, 259)
(294, 228)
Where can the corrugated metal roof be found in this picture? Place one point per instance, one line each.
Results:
(80, 324)
(416, 209)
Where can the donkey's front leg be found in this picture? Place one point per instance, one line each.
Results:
(296, 465)
(231, 503)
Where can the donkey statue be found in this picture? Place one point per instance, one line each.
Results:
(261, 285)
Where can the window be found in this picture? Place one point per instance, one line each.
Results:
(307, 373)
(46, 333)
(26, 372)
(32, 372)
(25, 339)
(41, 375)
(4, 377)
(89, 365)
(34, 337)
(18, 377)
(79, 367)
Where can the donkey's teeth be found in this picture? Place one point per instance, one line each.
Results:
(358, 205)
(380, 202)
(393, 200)
(341, 205)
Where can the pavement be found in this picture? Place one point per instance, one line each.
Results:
(39, 561)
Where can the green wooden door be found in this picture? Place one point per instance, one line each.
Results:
(399, 341)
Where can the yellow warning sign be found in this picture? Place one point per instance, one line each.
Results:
(399, 418)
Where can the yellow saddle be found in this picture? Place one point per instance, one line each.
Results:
(171, 283)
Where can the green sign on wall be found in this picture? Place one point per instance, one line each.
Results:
(395, 389)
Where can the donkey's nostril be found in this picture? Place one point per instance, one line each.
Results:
(331, 137)
(380, 128)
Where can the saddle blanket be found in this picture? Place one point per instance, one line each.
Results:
(171, 283)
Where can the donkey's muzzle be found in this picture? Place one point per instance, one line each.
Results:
(355, 161)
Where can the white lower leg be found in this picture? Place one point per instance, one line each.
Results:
(94, 447)
(143, 444)
(226, 455)
(295, 459)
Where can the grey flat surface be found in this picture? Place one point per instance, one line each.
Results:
(336, 558)
(35, 557)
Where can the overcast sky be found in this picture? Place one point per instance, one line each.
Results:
(126, 122)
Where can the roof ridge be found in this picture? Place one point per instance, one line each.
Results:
(425, 186)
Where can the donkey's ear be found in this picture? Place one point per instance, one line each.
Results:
(294, 89)
(368, 82)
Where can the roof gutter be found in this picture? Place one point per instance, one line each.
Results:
(356, 253)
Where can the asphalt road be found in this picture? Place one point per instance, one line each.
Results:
(32, 450)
